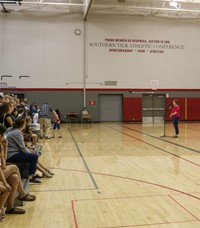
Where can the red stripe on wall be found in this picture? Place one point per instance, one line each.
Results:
(101, 89)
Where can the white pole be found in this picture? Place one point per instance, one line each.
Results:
(85, 64)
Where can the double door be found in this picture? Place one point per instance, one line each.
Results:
(153, 108)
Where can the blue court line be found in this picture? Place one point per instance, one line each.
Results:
(164, 140)
(65, 190)
(83, 159)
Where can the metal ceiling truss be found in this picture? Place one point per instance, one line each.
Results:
(161, 8)
(184, 9)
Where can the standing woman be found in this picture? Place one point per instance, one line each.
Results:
(175, 115)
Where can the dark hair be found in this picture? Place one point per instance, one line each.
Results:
(176, 101)
(2, 129)
(20, 110)
(28, 119)
(19, 122)
(58, 113)
(4, 108)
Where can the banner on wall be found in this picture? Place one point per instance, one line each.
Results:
(159, 46)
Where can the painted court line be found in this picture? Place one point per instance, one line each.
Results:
(137, 180)
(161, 139)
(184, 208)
(135, 225)
(83, 159)
(165, 151)
(150, 224)
(65, 190)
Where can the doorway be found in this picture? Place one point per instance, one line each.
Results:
(153, 108)
(110, 108)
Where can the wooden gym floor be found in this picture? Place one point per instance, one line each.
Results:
(117, 175)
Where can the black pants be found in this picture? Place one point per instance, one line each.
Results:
(175, 123)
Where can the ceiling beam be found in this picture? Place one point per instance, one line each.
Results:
(98, 7)
(87, 9)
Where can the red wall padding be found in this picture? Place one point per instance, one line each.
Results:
(193, 109)
(132, 109)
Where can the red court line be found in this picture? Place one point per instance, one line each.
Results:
(122, 197)
(136, 180)
(149, 183)
(131, 179)
(165, 151)
(137, 225)
(74, 213)
(150, 224)
(184, 208)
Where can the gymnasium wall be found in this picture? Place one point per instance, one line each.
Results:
(118, 49)
(43, 46)
(137, 50)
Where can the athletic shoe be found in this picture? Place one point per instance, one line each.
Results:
(34, 181)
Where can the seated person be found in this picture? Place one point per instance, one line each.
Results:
(12, 179)
(29, 137)
(85, 111)
(20, 112)
(18, 152)
(5, 190)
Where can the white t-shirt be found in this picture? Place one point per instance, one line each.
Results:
(85, 112)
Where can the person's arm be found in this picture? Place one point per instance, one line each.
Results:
(173, 113)
(4, 144)
(55, 114)
(9, 120)
(19, 140)
(3, 153)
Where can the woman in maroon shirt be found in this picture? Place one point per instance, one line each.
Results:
(175, 115)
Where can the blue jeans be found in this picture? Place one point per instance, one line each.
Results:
(24, 158)
(175, 123)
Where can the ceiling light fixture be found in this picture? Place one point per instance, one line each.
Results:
(173, 3)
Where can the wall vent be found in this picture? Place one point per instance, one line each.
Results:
(110, 83)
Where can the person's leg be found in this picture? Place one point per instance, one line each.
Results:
(58, 126)
(34, 139)
(177, 128)
(44, 168)
(44, 173)
(47, 127)
(54, 128)
(9, 171)
(41, 122)
(31, 158)
(13, 181)
(60, 133)
(4, 195)
(175, 123)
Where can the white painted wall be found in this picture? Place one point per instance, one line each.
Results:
(173, 69)
(45, 47)
(42, 46)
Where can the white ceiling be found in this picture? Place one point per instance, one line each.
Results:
(184, 9)
(160, 8)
